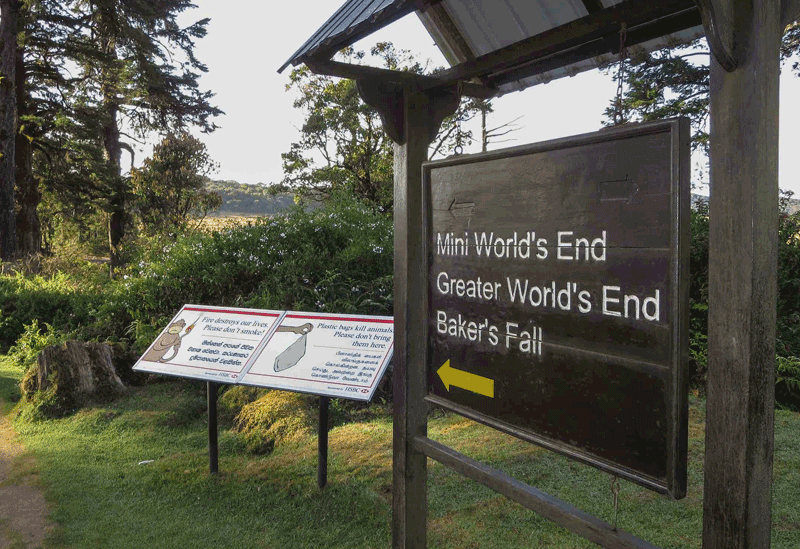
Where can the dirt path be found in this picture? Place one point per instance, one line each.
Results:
(23, 510)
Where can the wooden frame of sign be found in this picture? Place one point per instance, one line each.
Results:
(558, 296)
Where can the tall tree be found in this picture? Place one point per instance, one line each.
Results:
(8, 123)
(342, 144)
(147, 81)
(46, 42)
(675, 82)
(52, 40)
(169, 189)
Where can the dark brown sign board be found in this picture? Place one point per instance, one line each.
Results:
(558, 296)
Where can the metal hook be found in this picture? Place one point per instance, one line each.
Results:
(615, 497)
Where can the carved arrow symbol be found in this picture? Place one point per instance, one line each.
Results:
(461, 209)
(619, 189)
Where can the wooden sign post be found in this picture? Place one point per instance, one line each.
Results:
(745, 40)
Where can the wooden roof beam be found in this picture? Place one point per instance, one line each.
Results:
(592, 6)
(668, 25)
(355, 72)
(440, 25)
(559, 39)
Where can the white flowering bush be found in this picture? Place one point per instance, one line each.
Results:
(335, 259)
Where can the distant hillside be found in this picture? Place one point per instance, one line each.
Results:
(243, 199)
(249, 200)
(793, 206)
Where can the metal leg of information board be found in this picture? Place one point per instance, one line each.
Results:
(322, 460)
(213, 447)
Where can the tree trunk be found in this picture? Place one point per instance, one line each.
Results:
(111, 144)
(29, 229)
(116, 217)
(8, 126)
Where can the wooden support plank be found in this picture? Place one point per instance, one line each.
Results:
(441, 27)
(742, 283)
(410, 496)
(410, 508)
(560, 512)
(592, 6)
(667, 25)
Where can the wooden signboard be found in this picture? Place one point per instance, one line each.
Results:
(558, 297)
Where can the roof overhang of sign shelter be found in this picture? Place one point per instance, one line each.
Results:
(498, 46)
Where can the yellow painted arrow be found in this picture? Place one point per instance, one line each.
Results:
(471, 382)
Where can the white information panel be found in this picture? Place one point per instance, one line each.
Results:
(209, 343)
(332, 355)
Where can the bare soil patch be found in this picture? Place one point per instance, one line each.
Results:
(23, 509)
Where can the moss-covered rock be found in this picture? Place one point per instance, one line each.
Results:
(275, 417)
(235, 398)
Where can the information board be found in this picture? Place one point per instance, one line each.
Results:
(332, 355)
(209, 343)
(558, 297)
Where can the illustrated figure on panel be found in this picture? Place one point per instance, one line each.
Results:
(170, 339)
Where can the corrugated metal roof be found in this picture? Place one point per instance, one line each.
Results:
(465, 30)
(487, 27)
(352, 21)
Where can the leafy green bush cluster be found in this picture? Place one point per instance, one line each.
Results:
(334, 259)
(31, 342)
(787, 348)
(58, 302)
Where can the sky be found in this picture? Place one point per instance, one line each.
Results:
(248, 41)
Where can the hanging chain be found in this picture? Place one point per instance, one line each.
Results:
(459, 148)
(615, 497)
(623, 54)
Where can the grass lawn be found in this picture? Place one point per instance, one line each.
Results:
(104, 495)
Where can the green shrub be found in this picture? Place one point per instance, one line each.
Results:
(59, 301)
(334, 259)
(30, 343)
(787, 382)
(275, 417)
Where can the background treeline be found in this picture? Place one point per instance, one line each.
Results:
(245, 199)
